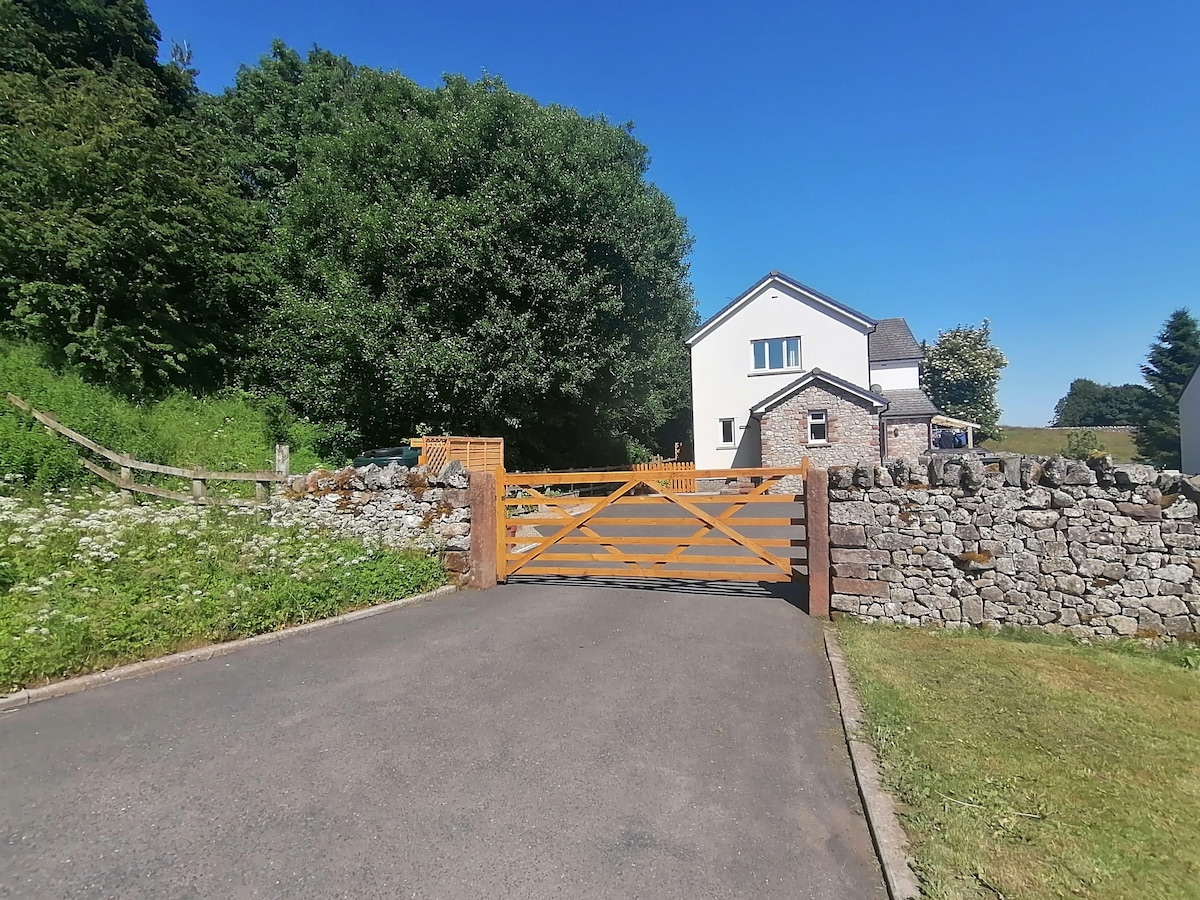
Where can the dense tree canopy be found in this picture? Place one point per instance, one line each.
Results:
(1172, 359)
(1088, 404)
(463, 260)
(123, 248)
(392, 258)
(961, 374)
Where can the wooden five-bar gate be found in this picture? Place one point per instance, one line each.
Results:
(639, 524)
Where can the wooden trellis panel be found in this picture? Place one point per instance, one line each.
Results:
(472, 452)
(758, 535)
(680, 484)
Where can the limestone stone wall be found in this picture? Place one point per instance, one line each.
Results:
(392, 506)
(853, 429)
(1091, 549)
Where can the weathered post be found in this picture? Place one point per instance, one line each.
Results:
(199, 485)
(126, 478)
(816, 524)
(481, 494)
(283, 460)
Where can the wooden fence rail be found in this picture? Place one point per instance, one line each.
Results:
(199, 477)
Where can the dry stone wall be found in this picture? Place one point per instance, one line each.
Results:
(1091, 549)
(389, 506)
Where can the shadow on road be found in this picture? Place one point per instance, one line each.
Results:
(794, 593)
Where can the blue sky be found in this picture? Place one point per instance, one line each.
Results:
(1034, 163)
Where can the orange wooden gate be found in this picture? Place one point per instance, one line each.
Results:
(604, 529)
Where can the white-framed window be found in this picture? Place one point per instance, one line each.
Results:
(818, 426)
(727, 432)
(776, 353)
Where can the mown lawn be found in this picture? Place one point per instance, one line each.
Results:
(1049, 441)
(88, 582)
(1036, 770)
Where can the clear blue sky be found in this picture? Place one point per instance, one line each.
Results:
(1034, 163)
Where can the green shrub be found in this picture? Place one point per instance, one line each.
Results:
(1082, 443)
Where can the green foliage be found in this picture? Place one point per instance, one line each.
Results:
(961, 374)
(1172, 359)
(1082, 444)
(385, 255)
(1088, 404)
(124, 249)
(462, 258)
(96, 585)
(230, 431)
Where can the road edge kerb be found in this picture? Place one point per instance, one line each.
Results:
(187, 657)
(886, 831)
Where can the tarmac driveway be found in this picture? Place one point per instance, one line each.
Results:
(536, 740)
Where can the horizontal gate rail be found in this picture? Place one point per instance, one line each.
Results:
(602, 536)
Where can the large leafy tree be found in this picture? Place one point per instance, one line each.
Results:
(961, 374)
(461, 260)
(1173, 358)
(1088, 404)
(123, 248)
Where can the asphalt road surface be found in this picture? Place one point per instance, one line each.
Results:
(533, 741)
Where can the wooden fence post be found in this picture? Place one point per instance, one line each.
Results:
(126, 477)
(481, 494)
(816, 524)
(283, 459)
(199, 486)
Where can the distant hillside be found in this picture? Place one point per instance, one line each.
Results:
(1048, 441)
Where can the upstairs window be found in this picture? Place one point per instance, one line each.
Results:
(777, 353)
(818, 426)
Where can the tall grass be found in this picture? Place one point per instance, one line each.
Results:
(231, 431)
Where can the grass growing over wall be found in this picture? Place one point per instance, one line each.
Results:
(1036, 769)
(1049, 441)
(226, 432)
(88, 583)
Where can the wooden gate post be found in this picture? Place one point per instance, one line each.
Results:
(481, 494)
(816, 524)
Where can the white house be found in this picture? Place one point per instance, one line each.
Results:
(1189, 425)
(785, 372)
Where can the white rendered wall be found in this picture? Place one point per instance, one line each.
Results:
(1189, 427)
(725, 384)
(896, 376)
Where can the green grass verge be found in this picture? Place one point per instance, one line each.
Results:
(232, 431)
(1049, 441)
(86, 584)
(1036, 769)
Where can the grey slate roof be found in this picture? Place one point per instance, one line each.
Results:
(792, 282)
(909, 403)
(817, 375)
(892, 340)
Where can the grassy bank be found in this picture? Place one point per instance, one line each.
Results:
(1036, 770)
(1049, 441)
(232, 431)
(87, 583)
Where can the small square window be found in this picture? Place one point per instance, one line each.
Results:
(818, 426)
(727, 431)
